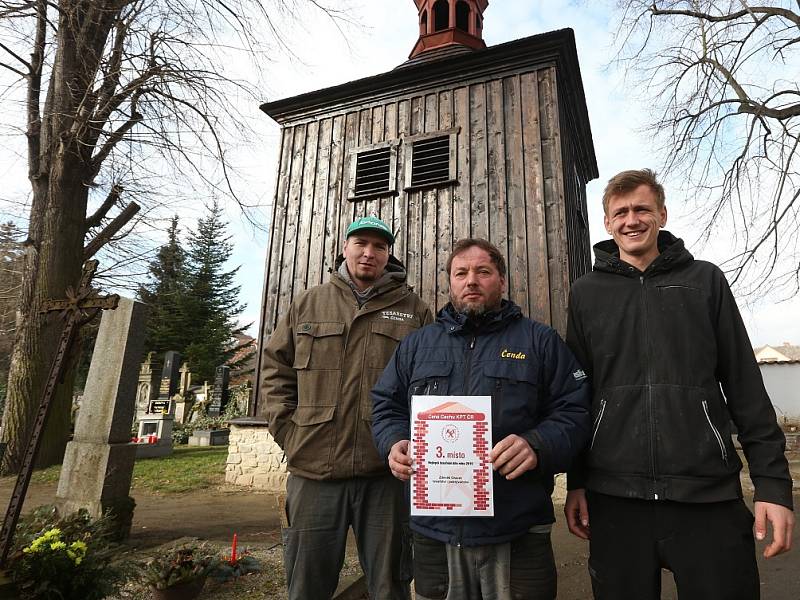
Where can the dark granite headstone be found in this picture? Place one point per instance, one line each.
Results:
(170, 375)
(170, 381)
(219, 397)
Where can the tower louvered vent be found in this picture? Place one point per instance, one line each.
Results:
(430, 162)
(373, 170)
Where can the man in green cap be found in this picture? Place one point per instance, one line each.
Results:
(318, 369)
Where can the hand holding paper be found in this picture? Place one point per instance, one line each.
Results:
(513, 456)
(400, 461)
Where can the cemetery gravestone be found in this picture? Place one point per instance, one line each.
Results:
(219, 397)
(98, 463)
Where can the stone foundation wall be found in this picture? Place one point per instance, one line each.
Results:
(254, 459)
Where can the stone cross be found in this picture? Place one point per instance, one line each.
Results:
(80, 306)
(98, 464)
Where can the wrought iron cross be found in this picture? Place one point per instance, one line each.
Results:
(79, 307)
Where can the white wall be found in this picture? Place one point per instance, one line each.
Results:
(783, 384)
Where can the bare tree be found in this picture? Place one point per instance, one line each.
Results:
(722, 77)
(120, 98)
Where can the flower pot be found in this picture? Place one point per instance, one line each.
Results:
(182, 591)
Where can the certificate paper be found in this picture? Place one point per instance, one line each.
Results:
(450, 441)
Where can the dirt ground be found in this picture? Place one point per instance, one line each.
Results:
(216, 513)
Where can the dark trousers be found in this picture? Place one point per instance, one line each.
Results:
(708, 547)
(523, 569)
(320, 513)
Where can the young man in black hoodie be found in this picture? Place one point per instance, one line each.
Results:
(671, 366)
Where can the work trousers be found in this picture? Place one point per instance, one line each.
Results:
(319, 515)
(709, 548)
(523, 569)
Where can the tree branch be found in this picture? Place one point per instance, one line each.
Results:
(102, 238)
(25, 63)
(771, 11)
(102, 211)
(34, 92)
(13, 70)
(115, 137)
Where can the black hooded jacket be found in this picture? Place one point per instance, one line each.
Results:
(671, 365)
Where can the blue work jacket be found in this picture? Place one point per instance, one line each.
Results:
(538, 391)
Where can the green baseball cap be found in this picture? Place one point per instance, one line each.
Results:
(371, 224)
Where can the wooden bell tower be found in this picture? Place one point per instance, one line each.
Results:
(460, 140)
(449, 22)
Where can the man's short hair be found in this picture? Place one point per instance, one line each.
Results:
(492, 250)
(627, 181)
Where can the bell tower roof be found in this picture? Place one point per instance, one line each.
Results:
(444, 23)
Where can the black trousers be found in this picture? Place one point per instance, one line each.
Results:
(708, 547)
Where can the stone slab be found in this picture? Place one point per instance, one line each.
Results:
(109, 400)
(152, 450)
(210, 437)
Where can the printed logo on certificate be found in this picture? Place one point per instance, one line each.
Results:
(450, 441)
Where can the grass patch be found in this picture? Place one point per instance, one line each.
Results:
(188, 468)
(48, 475)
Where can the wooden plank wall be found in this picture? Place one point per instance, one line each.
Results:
(510, 189)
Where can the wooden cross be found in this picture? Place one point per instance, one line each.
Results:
(79, 307)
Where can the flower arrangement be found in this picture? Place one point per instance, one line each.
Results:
(65, 558)
(180, 564)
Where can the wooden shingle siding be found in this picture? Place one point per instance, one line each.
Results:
(518, 184)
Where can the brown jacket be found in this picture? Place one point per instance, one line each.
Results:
(319, 367)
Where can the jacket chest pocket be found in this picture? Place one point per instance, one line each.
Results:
(515, 396)
(430, 379)
(318, 346)
(384, 338)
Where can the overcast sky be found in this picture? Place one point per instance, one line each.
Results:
(386, 33)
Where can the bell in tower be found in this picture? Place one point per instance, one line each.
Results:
(451, 24)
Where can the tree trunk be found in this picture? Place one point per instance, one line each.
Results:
(53, 260)
(61, 172)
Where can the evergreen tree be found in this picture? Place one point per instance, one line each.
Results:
(211, 302)
(165, 296)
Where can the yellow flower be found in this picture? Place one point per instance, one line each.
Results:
(58, 545)
(50, 536)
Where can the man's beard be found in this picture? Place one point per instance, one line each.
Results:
(471, 309)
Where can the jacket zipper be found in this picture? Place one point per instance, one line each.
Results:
(467, 369)
(650, 419)
(468, 365)
(716, 434)
(597, 422)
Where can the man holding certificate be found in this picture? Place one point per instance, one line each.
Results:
(478, 411)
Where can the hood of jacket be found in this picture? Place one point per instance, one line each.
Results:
(672, 253)
(393, 276)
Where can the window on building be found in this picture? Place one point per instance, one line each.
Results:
(478, 23)
(431, 159)
(373, 170)
(462, 15)
(423, 23)
(441, 15)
